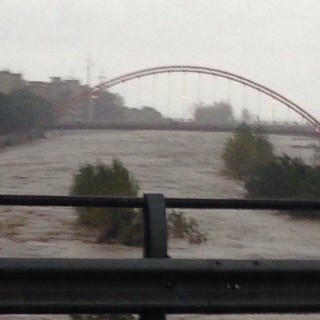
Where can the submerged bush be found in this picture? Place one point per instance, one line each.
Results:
(244, 151)
(284, 178)
(249, 157)
(121, 225)
(182, 227)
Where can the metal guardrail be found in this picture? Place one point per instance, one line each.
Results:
(156, 286)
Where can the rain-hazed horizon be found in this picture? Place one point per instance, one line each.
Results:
(274, 43)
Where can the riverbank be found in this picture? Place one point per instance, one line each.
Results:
(171, 125)
(14, 139)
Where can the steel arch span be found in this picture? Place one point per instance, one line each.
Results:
(210, 71)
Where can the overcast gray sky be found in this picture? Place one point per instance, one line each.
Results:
(274, 42)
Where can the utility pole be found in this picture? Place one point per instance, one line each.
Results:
(89, 65)
(102, 77)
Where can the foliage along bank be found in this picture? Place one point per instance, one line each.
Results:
(22, 111)
(245, 150)
(249, 158)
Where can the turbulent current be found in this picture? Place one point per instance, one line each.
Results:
(177, 164)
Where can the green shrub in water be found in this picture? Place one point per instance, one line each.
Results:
(121, 225)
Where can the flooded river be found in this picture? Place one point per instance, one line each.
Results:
(177, 164)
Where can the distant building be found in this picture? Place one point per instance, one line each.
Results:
(38, 87)
(71, 99)
(10, 81)
(69, 96)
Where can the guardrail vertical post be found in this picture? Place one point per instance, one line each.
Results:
(155, 237)
(155, 226)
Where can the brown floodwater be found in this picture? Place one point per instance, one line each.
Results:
(177, 164)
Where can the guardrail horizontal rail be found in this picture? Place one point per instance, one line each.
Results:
(156, 285)
(174, 203)
(59, 286)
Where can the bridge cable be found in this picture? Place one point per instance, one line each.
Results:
(125, 92)
(184, 95)
(228, 91)
(272, 110)
(244, 97)
(168, 93)
(213, 89)
(138, 94)
(288, 114)
(154, 91)
(258, 106)
(199, 89)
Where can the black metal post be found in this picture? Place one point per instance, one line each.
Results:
(155, 237)
(155, 226)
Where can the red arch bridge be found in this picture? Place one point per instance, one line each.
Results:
(214, 73)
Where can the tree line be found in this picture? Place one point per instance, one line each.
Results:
(22, 111)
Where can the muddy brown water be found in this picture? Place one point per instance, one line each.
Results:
(177, 164)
